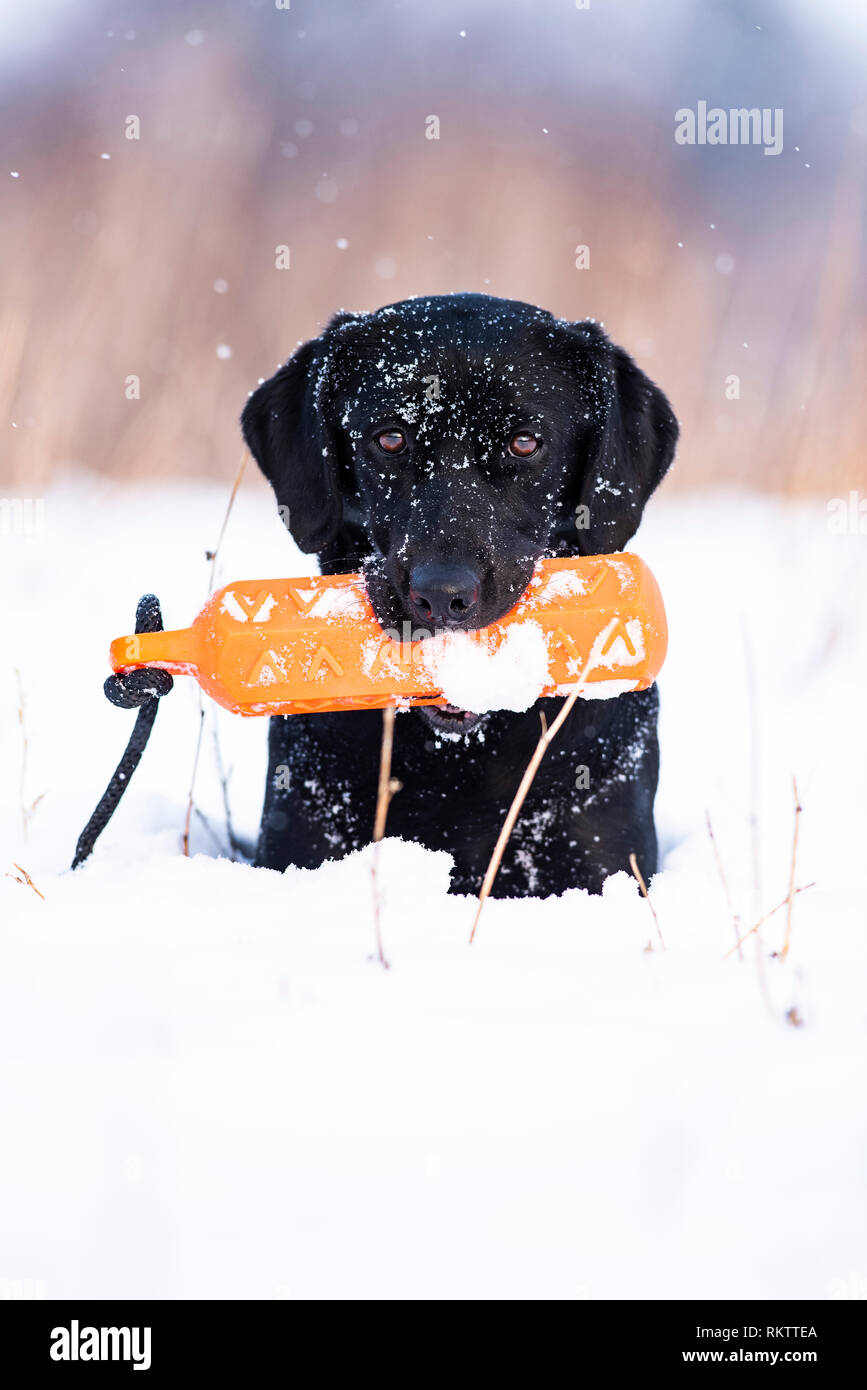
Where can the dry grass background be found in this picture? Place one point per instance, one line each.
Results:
(109, 266)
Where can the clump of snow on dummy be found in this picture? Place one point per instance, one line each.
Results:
(479, 677)
(476, 678)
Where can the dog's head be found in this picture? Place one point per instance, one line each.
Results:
(448, 443)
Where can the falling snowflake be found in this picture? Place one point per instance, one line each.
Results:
(326, 190)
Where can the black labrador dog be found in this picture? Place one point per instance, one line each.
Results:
(443, 445)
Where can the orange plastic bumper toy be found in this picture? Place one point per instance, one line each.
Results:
(300, 646)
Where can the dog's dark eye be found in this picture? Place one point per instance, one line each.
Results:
(523, 445)
(391, 441)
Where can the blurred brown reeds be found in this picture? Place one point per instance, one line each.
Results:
(110, 265)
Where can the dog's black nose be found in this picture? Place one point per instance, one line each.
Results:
(444, 595)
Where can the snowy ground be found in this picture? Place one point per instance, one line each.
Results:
(209, 1085)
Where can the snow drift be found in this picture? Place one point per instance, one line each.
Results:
(210, 1086)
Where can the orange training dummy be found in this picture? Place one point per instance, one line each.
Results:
(301, 646)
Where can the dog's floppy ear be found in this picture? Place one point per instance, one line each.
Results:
(289, 429)
(630, 446)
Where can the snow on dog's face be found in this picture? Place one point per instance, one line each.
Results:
(448, 443)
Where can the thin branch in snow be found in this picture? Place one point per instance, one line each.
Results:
(386, 789)
(189, 816)
(753, 708)
(388, 785)
(22, 776)
(200, 815)
(26, 811)
(633, 864)
(211, 555)
(545, 740)
(761, 922)
(25, 880)
(798, 808)
(762, 975)
(234, 842)
(725, 884)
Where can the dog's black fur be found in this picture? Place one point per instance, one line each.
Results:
(449, 531)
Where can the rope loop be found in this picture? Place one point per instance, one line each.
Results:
(140, 689)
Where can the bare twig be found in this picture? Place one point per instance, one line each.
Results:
(387, 784)
(234, 842)
(200, 815)
(211, 555)
(725, 885)
(386, 789)
(545, 740)
(774, 910)
(189, 815)
(633, 864)
(25, 880)
(787, 940)
(762, 975)
(22, 775)
(752, 705)
(26, 811)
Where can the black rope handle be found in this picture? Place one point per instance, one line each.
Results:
(142, 689)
